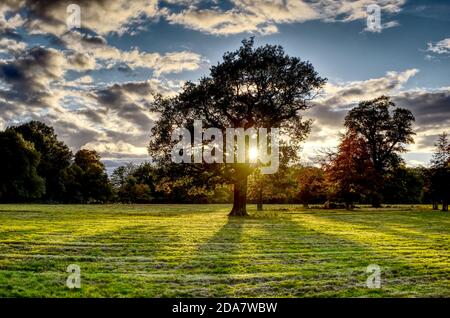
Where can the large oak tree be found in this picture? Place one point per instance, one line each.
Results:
(251, 88)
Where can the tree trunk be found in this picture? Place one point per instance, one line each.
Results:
(435, 206)
(376, 188)
(240, 197)
(376, 200)
(259, 205)
(444, 206)
(306, 205)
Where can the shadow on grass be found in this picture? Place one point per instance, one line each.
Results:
(401, 223)
(217, 257)
(125, 250)
(332, 264)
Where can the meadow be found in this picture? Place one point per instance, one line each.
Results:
(197, 251)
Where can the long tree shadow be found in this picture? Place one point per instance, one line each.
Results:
(207, 272)
(325, 261)
(410, 223)
(295, 260)
(403, 243)
(107, 260)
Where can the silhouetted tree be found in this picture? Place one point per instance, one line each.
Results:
(403, 185)
(88, 181)
(385, 132)
(19, 161)
(440, 171)
(250, 88)
(55, 157)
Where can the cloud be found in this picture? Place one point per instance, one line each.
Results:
(30, 76)
(119, 149)
(95, 49)
(131, 101)
(263, 16)
(33, 86)
(441, 47)
(81, 61)
(100, 16)
(342, 96)
(9, 21)
(430, 107)
(12, 46)
(121, 16)
(56, 84)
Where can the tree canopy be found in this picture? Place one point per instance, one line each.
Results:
(55, 157)
(251, 88)
(440, 172)
(386, 129)
(19, 161)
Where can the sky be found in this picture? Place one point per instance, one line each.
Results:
(94, 82)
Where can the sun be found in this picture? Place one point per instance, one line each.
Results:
(253, 154)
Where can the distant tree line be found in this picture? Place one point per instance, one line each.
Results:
(37, 167)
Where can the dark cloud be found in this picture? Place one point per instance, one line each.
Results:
(93, 115)
(74, 134)
(328, 115)
(129, 101)
(431, 109)
(427, 141)
(30, 76)
(100, 16)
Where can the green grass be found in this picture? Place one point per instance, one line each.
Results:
(197, 251)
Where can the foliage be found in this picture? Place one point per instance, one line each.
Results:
(404, 185)
(88, 181)
(55, 157)
(385, 132)
(349, 172)
(251, 87)
(440, 172)
(311, 185)
(19, 162)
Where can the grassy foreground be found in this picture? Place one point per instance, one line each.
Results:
(197, 251)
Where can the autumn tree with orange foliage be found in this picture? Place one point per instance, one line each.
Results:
(348, 171)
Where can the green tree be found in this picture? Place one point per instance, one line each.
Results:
(385, 132)
(55, 157)
(251, 88)
(88, 179)
(134, 184)
(403, 185)
(120, 180)
(19, 161)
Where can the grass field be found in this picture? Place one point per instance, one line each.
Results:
(197, 251)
